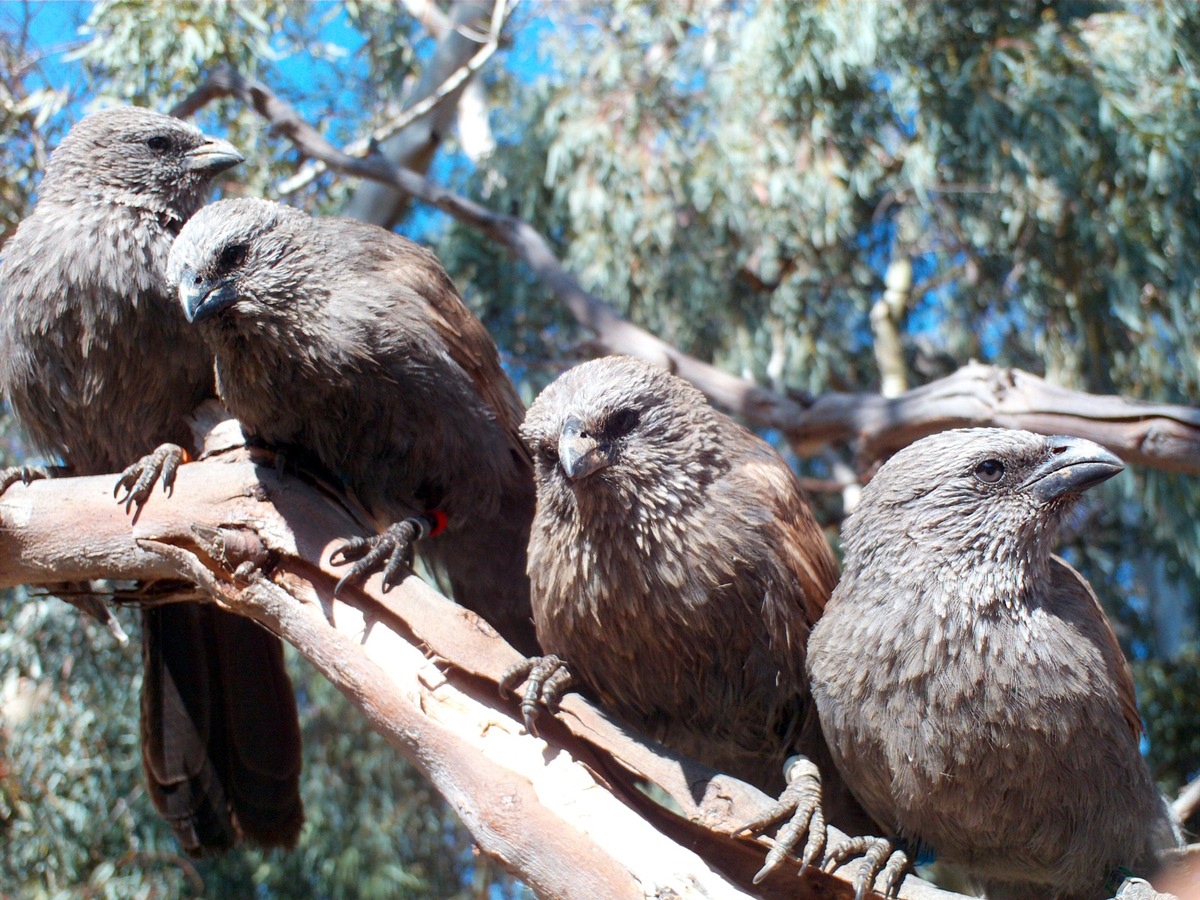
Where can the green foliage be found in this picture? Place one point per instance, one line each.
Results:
(1169, 698)
(75, 811)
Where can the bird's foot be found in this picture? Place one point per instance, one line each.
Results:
(882, 867)
(23, 474)
(392, 551)
(138, 479)
(799, 808)
(546, 679)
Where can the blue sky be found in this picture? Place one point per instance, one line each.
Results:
(53, 28)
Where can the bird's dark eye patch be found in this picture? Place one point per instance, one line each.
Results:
(622, 422)
(231, 257)
(159, 143)
(548, 452)
(990, 471)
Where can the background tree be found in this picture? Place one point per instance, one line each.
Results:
(736, 179)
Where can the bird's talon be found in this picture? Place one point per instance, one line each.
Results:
(24, 474)
(799, 809)
(515, 674)
(775, 856)
(138, 479)
(393, 550)
(546, 679)
(879, 858)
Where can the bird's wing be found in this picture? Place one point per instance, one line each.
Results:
(465, 338)
(1067, 579)
(799, 542)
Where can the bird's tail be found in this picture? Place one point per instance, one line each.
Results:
(220, 733)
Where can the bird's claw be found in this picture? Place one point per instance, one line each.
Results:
(23, 474)
(138, 479)
(800, 806)
(393, 549)
(546, 679)
(882, 864)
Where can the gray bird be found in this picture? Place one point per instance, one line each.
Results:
(677, 571)
(971, 688)
(346, 345)
(98, 365)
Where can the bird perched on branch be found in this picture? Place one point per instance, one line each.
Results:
(98, 365)
(342, 343)
(677, 571)
(971, 688)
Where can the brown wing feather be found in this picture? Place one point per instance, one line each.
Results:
(465, 337)
(802, 546)
(1118, 666)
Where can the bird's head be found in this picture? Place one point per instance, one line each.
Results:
(139, 158)
(238, 259)
(977, 495)
(622, 431)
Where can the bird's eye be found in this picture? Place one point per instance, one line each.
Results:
(622, 422)
(989, 471)
(231, 257)
(158, 143)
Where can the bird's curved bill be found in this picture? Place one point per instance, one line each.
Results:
(579, 454)
(214, 155)
(1074, 466)
(203, 300)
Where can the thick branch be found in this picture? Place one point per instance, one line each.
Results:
(1156, 435)
(1187, 804)
(455, 59)
(563, 812)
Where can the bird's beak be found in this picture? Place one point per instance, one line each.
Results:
(1074, 466)
(213, 156)
(579, 453)
(204, 299)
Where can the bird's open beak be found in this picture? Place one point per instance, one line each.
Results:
(1074, 466)
(579, 453)
(213, 156)
(204, 299)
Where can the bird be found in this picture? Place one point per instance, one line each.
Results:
(970, 686)
(347, 347)
(99, 367)
(677, 570)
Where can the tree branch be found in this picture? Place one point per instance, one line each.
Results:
(438, 26)
(414, 146)
(564, 812)
(1187, 804)
(1158, 435)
